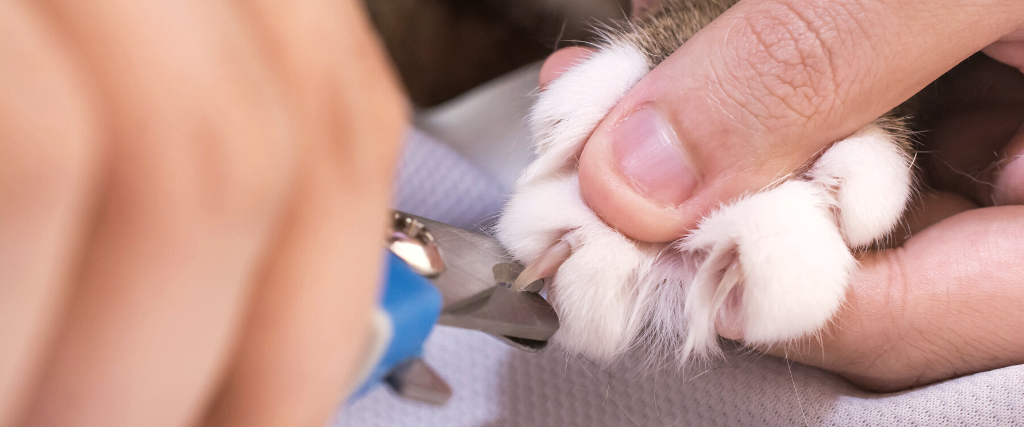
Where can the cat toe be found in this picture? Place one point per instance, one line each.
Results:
(593, 290)
(871, 176)
(572, 106)
(777, 263)
(593, 296)
(776, 268)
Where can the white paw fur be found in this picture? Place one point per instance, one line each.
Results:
(572, 106)
(596, 307)
(785, 250)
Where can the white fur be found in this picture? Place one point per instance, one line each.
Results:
(793, 261)
(591, 293)
(782, 247)
(573, 104)
(872, 178)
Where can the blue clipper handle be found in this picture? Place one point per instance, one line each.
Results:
(412, 305)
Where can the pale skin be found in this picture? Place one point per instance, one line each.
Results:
(192, 196)
(192, 199)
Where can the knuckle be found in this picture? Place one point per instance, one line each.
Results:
(242, 156)
(48, 133)
(203, 128)
(221, 149)
(779, 64)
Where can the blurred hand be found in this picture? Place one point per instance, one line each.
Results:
(192, 197)
(770, 83)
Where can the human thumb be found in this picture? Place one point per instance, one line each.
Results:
(762, 89)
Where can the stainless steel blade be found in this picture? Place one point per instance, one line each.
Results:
(476, 289)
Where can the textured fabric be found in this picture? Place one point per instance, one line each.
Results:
(436, 182)
(496, 385)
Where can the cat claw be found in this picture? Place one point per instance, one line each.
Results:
(531, 279)
(730, 320)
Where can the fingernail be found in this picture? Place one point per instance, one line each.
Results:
(651, 158)
(1009, 188)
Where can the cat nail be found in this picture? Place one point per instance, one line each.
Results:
(651, 158)
(730, 323)
(544, 266)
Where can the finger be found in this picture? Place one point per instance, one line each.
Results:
(759, 91)
(1009, 50)
(973, 114)
(1009, 183)
(948, 303)
(926, 210)
(198, 164)
(47, 174)
(964, 147)
(310, 317)
(561, 60)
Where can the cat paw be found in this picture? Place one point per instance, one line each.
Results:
(777, 263)
(770, 267)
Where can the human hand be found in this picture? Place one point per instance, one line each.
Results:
(192, 197)
(766, 86)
